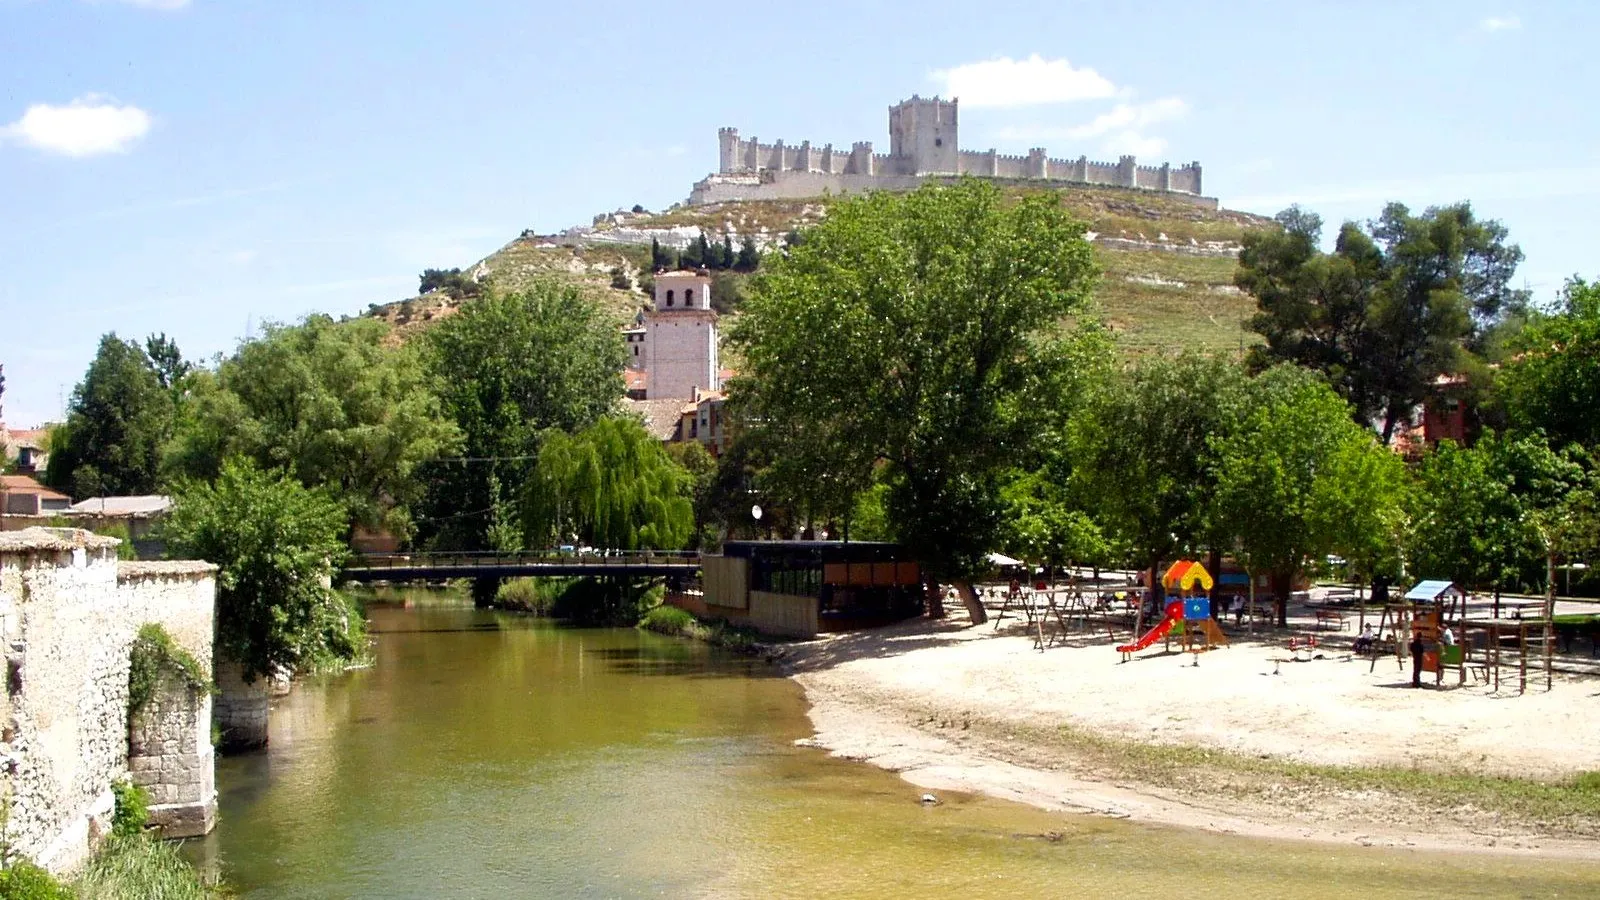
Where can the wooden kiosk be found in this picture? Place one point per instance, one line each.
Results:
(1424, 613)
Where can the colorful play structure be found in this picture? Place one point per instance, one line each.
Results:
(1187, 616)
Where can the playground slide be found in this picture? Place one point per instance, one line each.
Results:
(1174, 615)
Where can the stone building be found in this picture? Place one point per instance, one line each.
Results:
(923, 143)
(675, 345)
(69, 613)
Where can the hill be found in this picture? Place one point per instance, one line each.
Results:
(1168, 263)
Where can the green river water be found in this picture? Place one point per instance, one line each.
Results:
(489, 755)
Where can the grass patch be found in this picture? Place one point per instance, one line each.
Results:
(1570, 805)
(1161, 318)
(139, 868)
(670, 620)
(531, 595)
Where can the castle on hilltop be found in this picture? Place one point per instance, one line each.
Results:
(922, 144)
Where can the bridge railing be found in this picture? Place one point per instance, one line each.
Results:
(467, 559)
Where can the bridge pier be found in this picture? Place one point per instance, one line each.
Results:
(483, 591)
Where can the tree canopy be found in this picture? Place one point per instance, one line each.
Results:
(509, 368)
(1299, 479)
(612, 486)
(117, 420)
(1551, 382)
(1143, 447)
(276, 544)
(922, 332)
(331, 403)
(1397, 303)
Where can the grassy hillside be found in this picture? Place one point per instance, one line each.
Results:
(1167, 285)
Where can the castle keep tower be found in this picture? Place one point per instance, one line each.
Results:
(680, 338)
(922, 137)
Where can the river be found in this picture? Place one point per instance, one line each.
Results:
(491, 755)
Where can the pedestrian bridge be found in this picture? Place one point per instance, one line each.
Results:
(492, 564)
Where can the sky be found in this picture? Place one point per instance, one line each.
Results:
(197, 167)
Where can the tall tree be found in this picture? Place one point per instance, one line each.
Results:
(1551, 380)
(167, 361)
(922, 331)
(1142, 452)
(276, 544)
(1491, 515)
(117, 420)
(1283, 478)
(610, 485)
(1397, 303)
(510, 367)
(332, 404)
(749, 258)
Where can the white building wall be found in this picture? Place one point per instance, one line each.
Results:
(683, 354)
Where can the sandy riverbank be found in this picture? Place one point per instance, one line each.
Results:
(953, 707)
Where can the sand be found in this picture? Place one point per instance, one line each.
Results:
(956, 707)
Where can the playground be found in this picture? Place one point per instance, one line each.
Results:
(984, 707)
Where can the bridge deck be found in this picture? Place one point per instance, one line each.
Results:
(441, 566)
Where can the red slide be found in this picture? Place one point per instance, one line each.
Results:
(1174, 613)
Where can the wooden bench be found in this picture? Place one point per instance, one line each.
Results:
(1333, 617)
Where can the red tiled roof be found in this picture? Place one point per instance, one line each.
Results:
(22, 484)
(638, 379)
(27, 437)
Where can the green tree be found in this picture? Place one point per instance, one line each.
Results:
(922, 331)
(660, 258)
(117, 420)
(1044, 524)
(749, 258)
(1142, 453)
(701, 468)
(610, 485)
(167, 361)
(1493, 515)
(332, 404)
(1550, 381)
(509, 368)
(276, 544)
(1396, 304)
(448, 281)
(726, 257)
(1283, 480)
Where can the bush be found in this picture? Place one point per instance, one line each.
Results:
(606, 601)
(668, 620)
(26, 881)
(139, 868)
(154, 653)
(619, 279)
(531, 595)
(132, 809)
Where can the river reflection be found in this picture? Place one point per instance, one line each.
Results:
(490, 755)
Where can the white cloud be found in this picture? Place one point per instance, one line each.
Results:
(1132, 116)
(1132, 143)
(88, 126)
(1007, 82)
(1123, 128)
(1500, 23)
(240, 257)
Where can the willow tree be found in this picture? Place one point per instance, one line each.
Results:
(917, 338)
(610, 485)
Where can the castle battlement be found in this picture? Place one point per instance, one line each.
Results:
(923, 143)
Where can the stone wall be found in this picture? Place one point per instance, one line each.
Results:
(804, 185)
(69, 613)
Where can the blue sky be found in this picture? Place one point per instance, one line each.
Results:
(192, 166)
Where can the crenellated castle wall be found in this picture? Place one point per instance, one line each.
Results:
(923, 144)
